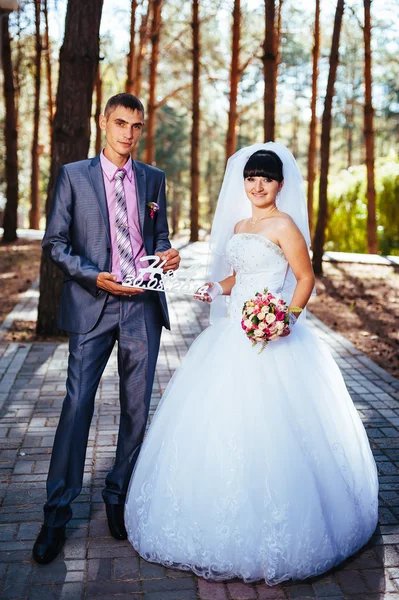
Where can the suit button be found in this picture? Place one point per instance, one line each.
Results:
(108, 249)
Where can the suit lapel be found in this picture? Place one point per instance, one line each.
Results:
(97, 181)
(141, 189)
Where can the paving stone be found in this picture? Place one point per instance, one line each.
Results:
(58, 572)
(151, 571)
(167, 584)
(92, 564)
(111, 587)
(99, 569)
(301, 591)
(175, 595)
(211, 591)
(8, 532)
(14, 590)
(19, 573)
(104, 548)
(351, 582)
(240, 591)
(266, 592)
(126, 568)
(129, 596)
(66, 591)
(326, 587)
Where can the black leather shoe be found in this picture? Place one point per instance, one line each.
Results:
(116, 521)
(49, 544)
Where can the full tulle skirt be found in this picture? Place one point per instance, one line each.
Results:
(256, 465)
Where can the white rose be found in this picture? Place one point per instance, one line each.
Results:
(280, 326)
(261, 315)
(273, 301)
(250, 310)
(248, 323)
(262, 326)
(270, 318)
(274, 337)
(258, 333)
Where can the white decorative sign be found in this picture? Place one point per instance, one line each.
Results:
(153, 278)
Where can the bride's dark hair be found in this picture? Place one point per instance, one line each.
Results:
(264, 163)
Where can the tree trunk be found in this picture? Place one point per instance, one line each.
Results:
(295, 126)
(34, 215)
(150, 120)
(19, 53)
(372, 242)
(50, 103)
(71, 128)
(174, 193)
(130, 57)
(231, 138)
(11, 138)
(322, 216)
(195, 131)
(349, 118)
(270, 71)
(99, 102)
(313, 119)
(278, 36)
(141, 51)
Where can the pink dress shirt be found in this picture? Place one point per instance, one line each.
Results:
(129, 186)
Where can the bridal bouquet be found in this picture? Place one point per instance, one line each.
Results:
(265, 318)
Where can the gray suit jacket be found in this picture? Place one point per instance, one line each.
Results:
(78, 239)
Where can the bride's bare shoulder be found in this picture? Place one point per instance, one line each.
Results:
(284, 222)
(239, 225)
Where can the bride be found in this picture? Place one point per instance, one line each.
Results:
(256, 465)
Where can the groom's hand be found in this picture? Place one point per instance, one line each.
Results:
(107, 281)
(172, 257)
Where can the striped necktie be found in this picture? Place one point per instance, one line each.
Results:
(126, 258)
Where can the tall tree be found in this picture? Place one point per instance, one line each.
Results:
(34, 215)
(11, 137)
(231, 138)
(49, 76)
(150, 120)
(141, 50)
(99, 102)
(195, 131)
(17, 62)
(322, 216)
(313, 119)
(270, 57)
(79, 56)
(131, 56)
(372, 243)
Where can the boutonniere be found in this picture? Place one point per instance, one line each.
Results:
(154, 208)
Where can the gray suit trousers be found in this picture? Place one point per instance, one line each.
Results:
(135, 323)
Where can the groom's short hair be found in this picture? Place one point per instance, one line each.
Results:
(125, 100)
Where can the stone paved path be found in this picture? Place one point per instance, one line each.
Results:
(92, 564)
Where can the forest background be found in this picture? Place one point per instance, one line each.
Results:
(322, 78)
(173, 119)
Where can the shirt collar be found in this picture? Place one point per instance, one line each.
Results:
(109, 169)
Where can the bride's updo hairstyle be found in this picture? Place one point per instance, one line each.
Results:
(264, 163)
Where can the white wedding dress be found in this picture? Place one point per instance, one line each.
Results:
(255, 465)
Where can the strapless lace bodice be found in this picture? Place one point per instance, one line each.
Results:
(258, 263)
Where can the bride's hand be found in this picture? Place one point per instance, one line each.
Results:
(201, 296)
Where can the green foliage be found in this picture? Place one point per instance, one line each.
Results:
(347, 226)
(388, 205)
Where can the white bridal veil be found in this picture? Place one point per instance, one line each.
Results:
(233, 206)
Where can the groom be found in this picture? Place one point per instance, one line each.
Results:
(107, 213)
